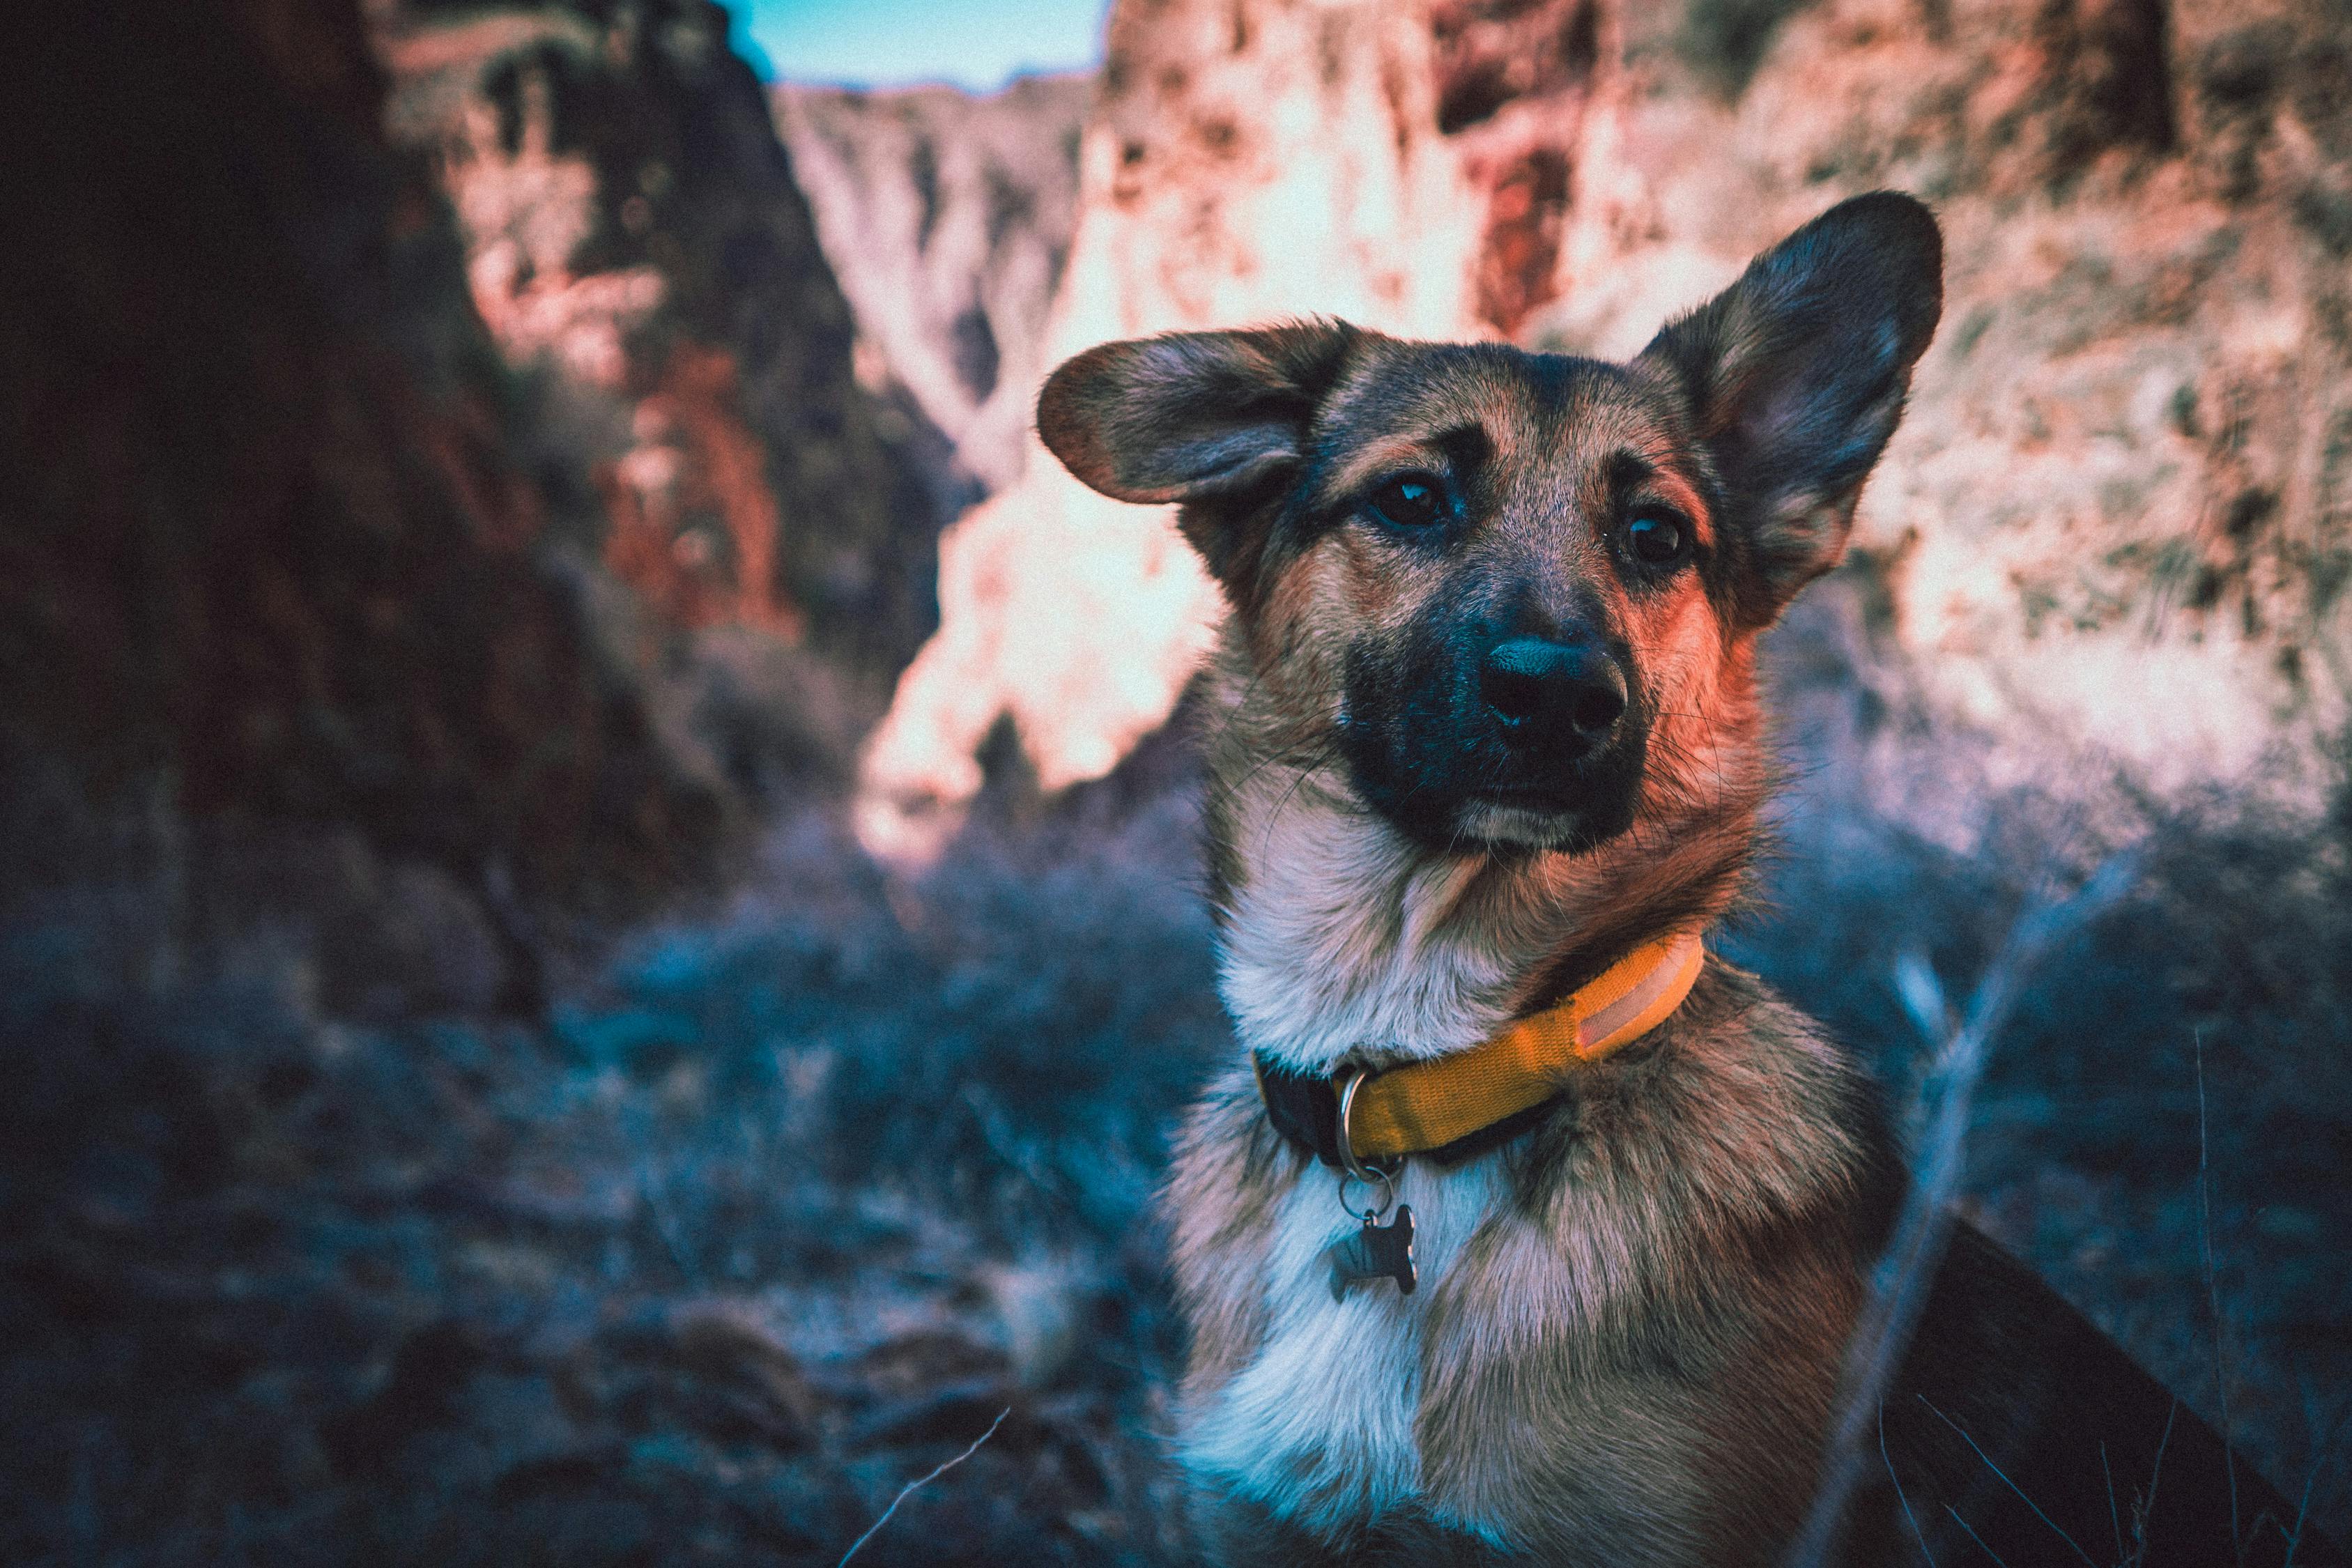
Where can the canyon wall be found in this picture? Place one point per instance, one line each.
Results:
(1405, 166)
(271, 534)
(437, 500)
(2117, 525)
(638, 249)
(947, 217)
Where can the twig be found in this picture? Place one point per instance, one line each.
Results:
(1900, 1281)
(2115, 1516)
(2213, 1302)
(944, 1467)
(2302, 1512)
(1917, 1534)
(2002, 1475)
(2319, 1463)
(1974, 1536)
(2146, 1506)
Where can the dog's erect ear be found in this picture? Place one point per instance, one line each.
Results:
(1796, 375)
(1197, 417)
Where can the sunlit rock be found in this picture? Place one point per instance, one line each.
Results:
(947, 217)
(2113, 526)
(1244, 163)
(637, 245)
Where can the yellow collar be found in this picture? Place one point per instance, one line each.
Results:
(1417, 1107)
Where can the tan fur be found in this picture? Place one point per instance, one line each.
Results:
(1388, 920)
(1631, 1318)
(1629, 1357)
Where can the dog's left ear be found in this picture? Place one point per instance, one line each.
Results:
(1795, 377)
(1209, 420)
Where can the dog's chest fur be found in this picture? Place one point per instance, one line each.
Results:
(1628, 1322)
(1320, 1423)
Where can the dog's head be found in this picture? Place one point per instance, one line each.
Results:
(1505, 590)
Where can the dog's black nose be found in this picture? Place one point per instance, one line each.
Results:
(1548, 692)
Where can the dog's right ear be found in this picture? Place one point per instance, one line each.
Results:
(1196, 417)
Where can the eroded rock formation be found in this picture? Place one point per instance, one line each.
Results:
(947, 217)
(1405, 166)
(636, 244)
(270, 528)
(2116, 521)
(2118, 515)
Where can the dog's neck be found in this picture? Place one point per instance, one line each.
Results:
(1340, 938)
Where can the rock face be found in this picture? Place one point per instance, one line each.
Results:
(637, 245)
(270, 525)
(2117, 516)
(947, 219)
(1405, 166)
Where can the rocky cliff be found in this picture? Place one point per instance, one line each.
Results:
(948, 219)
(637, 245)
(437, 491)
(2114, 527)
(271, 531)
(2114, 530)
(1401, 165)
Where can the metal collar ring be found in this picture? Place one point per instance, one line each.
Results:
(1367, 1171)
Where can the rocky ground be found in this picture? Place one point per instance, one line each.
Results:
(781, 1207)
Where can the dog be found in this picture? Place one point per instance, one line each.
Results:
(1531, 1232)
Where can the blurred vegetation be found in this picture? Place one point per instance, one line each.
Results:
(781, 1203)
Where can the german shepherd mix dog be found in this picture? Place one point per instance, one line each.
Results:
(1536, 1233)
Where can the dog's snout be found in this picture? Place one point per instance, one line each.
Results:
(1546, 692)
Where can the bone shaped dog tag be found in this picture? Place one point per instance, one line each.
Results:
(1375, 1251)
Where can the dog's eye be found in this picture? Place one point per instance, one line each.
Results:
(1655, 538)
(1410, 500)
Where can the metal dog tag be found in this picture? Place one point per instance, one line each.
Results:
(1375, 1251)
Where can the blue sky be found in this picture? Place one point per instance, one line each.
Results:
(978, 43)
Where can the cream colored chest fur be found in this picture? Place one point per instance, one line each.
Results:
(1321, 1426)
(1521, 1394)
(1593, 1318)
